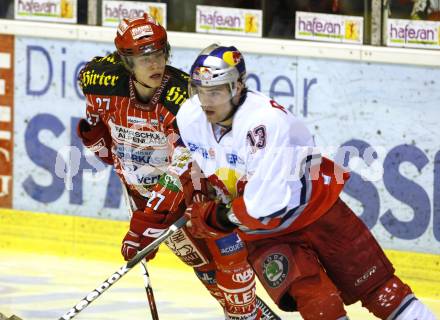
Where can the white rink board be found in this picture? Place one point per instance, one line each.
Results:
(393, 108)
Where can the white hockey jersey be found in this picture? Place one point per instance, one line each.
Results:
(262, 166)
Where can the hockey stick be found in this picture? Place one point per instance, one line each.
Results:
(93, 295)
(147, 283)
(149, 291)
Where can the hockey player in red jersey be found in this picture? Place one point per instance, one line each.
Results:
(309, 249)
(132, 98)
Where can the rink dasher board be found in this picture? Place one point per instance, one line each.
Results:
(99, 239)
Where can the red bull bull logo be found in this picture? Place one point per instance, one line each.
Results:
(232, 57)
(202, 73)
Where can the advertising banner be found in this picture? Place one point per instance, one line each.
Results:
(6, 118)
(47, 10)
(233, 21)
(413, 33)
(114, 11)
(379, 120)
(329, 27)
(382, 121)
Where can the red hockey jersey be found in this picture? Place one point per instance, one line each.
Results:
(142, 134)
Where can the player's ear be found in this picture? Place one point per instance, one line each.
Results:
(240, 87)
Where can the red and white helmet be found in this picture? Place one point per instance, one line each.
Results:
(140, 36)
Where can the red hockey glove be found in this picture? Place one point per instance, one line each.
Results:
(145, 227)
(208, 220)
(96, 138)
(164, 206)
(131, 244)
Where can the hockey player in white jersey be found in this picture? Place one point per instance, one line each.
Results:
(309, 249)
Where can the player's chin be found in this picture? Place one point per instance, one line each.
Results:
(211, 116)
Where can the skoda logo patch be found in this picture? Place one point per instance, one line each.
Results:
(275, 269)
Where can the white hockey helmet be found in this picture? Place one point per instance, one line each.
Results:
(217, 65)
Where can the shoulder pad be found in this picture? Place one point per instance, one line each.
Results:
(178, 74)
(104, 75)
(176, 90)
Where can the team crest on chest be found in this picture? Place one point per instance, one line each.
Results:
(275, 269)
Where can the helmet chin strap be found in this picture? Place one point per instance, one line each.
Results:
(234, 107)
(140, 82)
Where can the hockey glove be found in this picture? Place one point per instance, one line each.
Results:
(97, 139)
(145, 227)
(209, 220)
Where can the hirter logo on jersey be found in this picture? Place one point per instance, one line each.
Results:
(93, 78)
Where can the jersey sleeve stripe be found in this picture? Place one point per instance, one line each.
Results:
(240, 211)
(273, 215)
